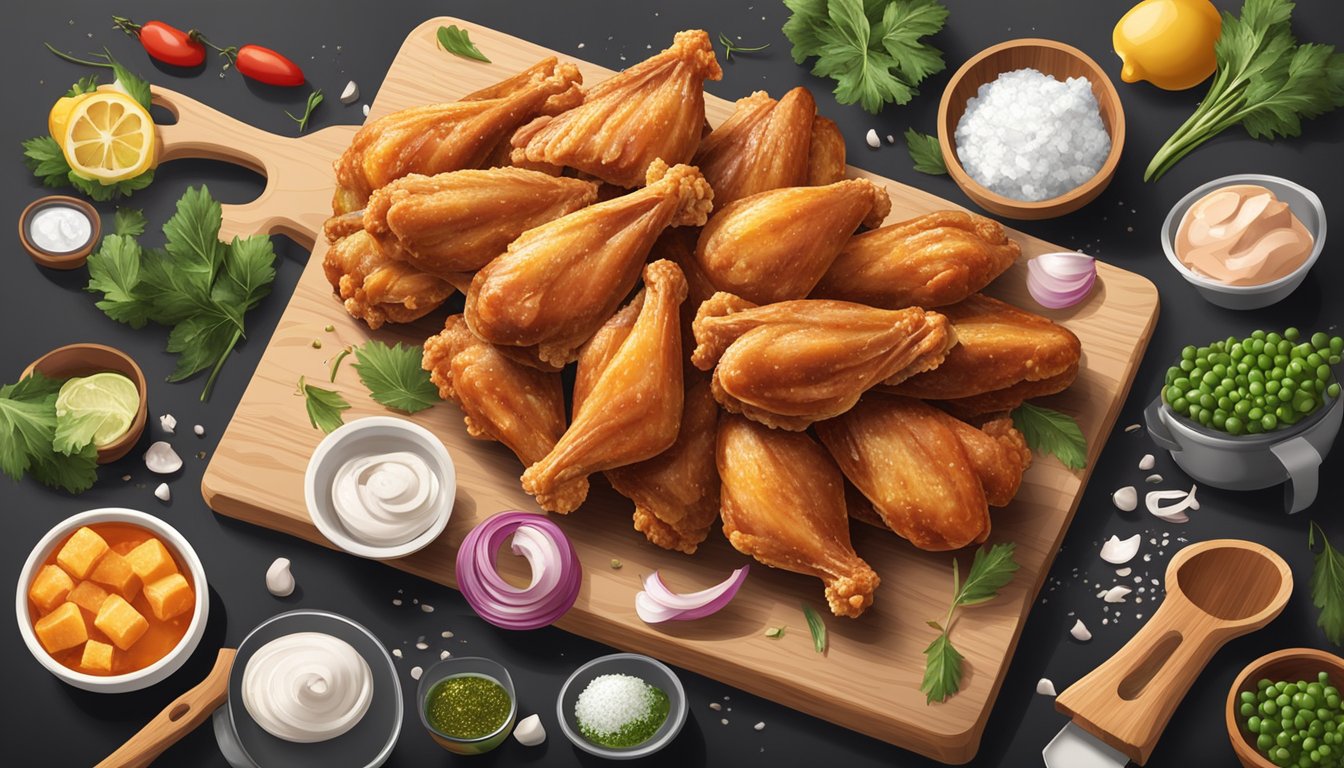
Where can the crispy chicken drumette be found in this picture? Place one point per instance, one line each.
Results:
(378, 289)
(763, 145)
(826, 158)
(784, 504)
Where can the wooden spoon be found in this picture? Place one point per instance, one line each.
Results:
(177, 719)
(1216, 590)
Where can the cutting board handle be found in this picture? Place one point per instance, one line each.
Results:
(299, 179)
(1216, 591)
(177, 719)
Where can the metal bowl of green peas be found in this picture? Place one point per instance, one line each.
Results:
(1244, 414)
(1285, 709)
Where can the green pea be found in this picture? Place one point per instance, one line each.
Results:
(1234, 395)
(1326, 750)
(1313, 359)
(1242, 408)
(1205, 417)
(1269, 422)
(1290, 333)
(1253, 427)
(1273, 338)
(1277, 372)
(1247, 709)
(1271, 386)
(1306, 405)
(1179, 404)
(1256, 388)
(1271, 401)
(1337, 345)
(1264, 742)
(1284, 347)
(1333, 359)
(1287, 385)
(1234, 427)
(1257, 334)
(1283, 738)
(1333, 390)
(1320, 340)
(1205, 389)
(1263, 361)
(1187, 365)
(1323, 372)
(1295, 369)
(1255, 414)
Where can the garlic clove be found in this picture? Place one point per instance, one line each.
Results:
(1080, 631)
(1117, 594)
(529, 731)
(162, 459)
(199, 430)
(1154, 479)
(1118, 552)
(366, 110)
(1147, 462)
(1045, 687)
(168, 423)
(279, 579)
(1126, 499)
(162, 493)
(1123, 572)
(872, 139)
(350, 93)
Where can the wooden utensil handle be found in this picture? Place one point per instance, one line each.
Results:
(177, 719)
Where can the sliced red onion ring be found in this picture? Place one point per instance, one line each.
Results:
(556, 573)
(657, 603)
(1059, 280)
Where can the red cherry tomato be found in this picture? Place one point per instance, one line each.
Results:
(267, 66)
(164, 42)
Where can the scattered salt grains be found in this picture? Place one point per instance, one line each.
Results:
(396, 652)
(1122, 572)
(1031, 137)
(1147, 462)
(396, 601)
(1148, 558)
(872, 139)
(1133, 428)
(446, 635)
(716, 706)
(279, 579)
(444, 654)
(427, 608)
(366, 110)
(1045, 687)
(125, 478)
(162, 459)
(416, 672)
(422, 646)
(1104, 622)
(1080, 631)
(760, 726)
(163, 492)
(199, 430)
(723, 721)
(610, 702)
(168, 423)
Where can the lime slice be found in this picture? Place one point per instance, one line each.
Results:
(104, 404)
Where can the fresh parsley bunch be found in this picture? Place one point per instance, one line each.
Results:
(991, 570)
(200, 286)
(871, 48)
(28, 435)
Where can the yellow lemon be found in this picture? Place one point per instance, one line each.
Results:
(108, 137)
(59, 117)
(1169, 43)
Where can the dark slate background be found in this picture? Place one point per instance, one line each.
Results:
(47, 723)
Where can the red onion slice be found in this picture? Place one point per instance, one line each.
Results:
(556, 573)
(1059, 280)
(657, 603)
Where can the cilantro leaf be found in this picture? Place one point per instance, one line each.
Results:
(198, 339)
(1049, 431)
(193, 237)
(114, 271)
(903, 24)
(44, 158)
(324, 406)
(249, 270)
(926, 152)
(1327, 586)
(991, 570)
(394, 376)
(129, 221)
(942, 670)
(457, 41)
(801, 28)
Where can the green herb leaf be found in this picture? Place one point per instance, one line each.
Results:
(114, 271)
(942, 670)
(774, 632)
(1052, 432)
(129, 221)
(991, 570)
(130, 82)
(27, 433)
(314, 99)
(1327, 586)
(86, 84)
(44, 158)
(394, 377)
(817, 627)
(336, 363)
(324, 406)
(75, 473)
(102, 193)
(926, 152)
(456, 40)
(730, 48)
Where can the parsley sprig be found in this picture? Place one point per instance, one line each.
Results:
(457, 41)
(926, 152)
(1327, 586)
(324, 406)
(394, 377)
(28, 434)
(991, 570)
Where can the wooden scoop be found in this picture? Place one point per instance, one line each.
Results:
(177, 719)
(1216, 590)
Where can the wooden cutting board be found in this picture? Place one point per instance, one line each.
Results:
(869, 680)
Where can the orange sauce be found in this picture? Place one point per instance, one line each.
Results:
(158, 640)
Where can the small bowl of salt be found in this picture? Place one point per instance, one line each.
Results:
(1031, 129)
(622, 706)
(59, 231)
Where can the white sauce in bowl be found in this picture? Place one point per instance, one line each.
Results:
(385, 499)
(60, 228)
(307, 687)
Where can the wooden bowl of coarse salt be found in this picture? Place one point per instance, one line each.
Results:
(1056, 60)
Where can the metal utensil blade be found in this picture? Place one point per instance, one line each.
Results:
(1073, 747)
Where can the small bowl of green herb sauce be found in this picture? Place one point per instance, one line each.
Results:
(467, 704)
(621, 707)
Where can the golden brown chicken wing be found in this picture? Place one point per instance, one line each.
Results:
(1005, 355)
(628, 396)
(930, 261)
(459, 221)
(826, 158)
(521, 407)
(789, 364)
(784, 504)
(651, 111)
(776, 245)
(437, 138)
(763, 145)
(930, 477)
(559, 282)
(378, 289)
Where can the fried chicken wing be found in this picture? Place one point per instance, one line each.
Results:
(1005, 355)
(784, 504)
(521, 407)
(378, 289)
(930, 477)
(559, 282)
(930, 261)
(653, 110)
(763, 145)
(826, 158)
(789, 364)
(437, 138)
(776, 245)
(459, 221)
(628, 397)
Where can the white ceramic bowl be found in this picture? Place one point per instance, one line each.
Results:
(373, 435)
(131, 681)
(1304, 204)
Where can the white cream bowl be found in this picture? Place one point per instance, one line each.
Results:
(141, 678)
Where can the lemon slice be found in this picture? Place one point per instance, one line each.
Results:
(108, 400)
(59, 117)
(108, 137)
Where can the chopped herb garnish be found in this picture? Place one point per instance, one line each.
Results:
(457, 41)
(729, 47)
(1327, 586)
(336, 363)
(816, 626)
(1049, 431)
(314, 99)
(394, 376)
(926, 153)
(324, 406)
(774, 632)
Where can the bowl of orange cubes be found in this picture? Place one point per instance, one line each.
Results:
(112, 600)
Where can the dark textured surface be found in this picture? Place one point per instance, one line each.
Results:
(47, 723)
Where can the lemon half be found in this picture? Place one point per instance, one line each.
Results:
(106, 135)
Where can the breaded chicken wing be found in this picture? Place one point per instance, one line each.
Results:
(930, 477)
(378, 289)
(651, 111)
(559, 282)
(776, 245)
(628, 397)
(437, 138)
(763, 145)
(459, 221)
(1005, 355)
(930, 261)
(784, 504)
(826, 158)
(521, 407)
(789, 364)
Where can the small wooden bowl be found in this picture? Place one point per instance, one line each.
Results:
(1051, 58)
(70, 259)
(1289, 664)
(86, 360)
